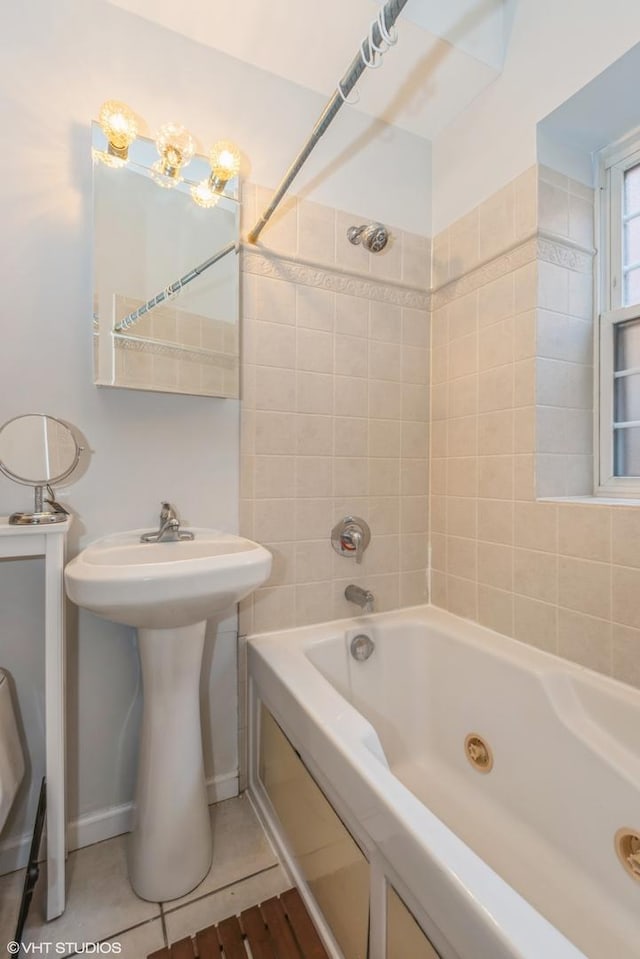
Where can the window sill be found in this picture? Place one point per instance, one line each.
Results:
(591, 500)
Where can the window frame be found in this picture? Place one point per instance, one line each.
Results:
(613, 162)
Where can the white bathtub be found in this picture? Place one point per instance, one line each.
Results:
(516, 863)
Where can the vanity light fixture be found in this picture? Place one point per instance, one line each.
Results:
(225, 164)
(176, 146)
(119, 126)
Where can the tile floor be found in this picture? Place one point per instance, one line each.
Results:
(102, 907)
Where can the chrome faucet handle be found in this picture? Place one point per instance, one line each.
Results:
(167, 512)
(350, 537)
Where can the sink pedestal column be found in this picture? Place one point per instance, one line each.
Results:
(170, 847)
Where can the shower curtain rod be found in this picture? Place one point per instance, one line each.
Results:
(389, 13)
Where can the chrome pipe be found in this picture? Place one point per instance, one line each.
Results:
(390, 12)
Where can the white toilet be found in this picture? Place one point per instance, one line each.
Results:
(11, 754)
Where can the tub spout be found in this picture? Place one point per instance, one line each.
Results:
(361, 597)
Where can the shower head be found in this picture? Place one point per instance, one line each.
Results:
(373, 236)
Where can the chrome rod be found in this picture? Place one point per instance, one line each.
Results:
(390, 12)
(174, 288)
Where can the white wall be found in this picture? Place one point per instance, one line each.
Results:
(60, 62)
(556, 48)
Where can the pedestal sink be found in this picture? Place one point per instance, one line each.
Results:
(168, 591)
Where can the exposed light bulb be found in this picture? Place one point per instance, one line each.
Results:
(203, 195)
(119, 126)
(225, 164)
(176, 146)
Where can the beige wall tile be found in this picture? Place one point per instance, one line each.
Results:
(384, 360)
(585, 531)
(536, 526)
(462, 435)
(495, 477)
(626, 536)
(495, 565)
(273, 608)
(385, 322)
(315, 309)
(462, 476)
(496, 300)
(462, 316)
(414, 588)
(313, 434)
(536, 575)
(416, 260)
(274, 432)
(274, 476)
(314, 351)
(351, 396)
(350, 436)
(415, 328)
(352, 315)
(316, 231)
(497, 222)
(385, 400)
(414, 513)
(495, 389)
(414, 476)
(461, 517)
(495, 521)
(350, 476)
(625, 593)
(462, 557)
(535, 623)
(313, 561)
(439, 589)
(495, 609)
(526, 287)
(313, 477)
(314, 393)
(585, 586)
(585, 640)
(384, 438)
(496, 432)
(312, 600)
(351, 356)
(414, 551)
(626, 655)
(462, 597)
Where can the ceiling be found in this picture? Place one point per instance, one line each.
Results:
(448, 51)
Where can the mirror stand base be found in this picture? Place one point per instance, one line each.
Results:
(37, 519)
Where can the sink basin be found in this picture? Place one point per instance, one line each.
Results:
(164, 585)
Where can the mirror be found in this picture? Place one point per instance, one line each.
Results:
(166, 311)
(38, 450)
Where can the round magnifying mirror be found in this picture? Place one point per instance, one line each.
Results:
(38, 450)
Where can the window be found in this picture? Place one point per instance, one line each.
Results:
(619, 341)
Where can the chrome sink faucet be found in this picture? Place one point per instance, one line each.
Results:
(361, 597)
(169, 531)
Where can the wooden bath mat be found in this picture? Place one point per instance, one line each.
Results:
(279, 928)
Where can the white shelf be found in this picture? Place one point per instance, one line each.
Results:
(49, 542)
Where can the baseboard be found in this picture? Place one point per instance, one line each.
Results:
(103, 824)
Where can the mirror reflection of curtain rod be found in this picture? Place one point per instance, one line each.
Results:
(174, 288)
(377, 42)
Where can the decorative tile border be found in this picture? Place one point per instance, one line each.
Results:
(325, 277)
(191, 354)
(539, 246)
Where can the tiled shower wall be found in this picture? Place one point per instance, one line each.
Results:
(512, 389)
(335, 363)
